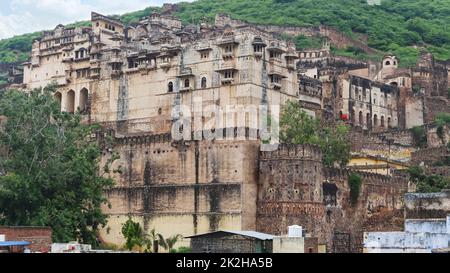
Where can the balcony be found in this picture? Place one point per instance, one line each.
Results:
(258, 54)
(275, 85)
(291, 66)
(226, 40)
(116, 73)
(185, 72)
(227, 80)
(67, 60)
(132, 70)
(276, 47)
(164, 64)
(115, 60)
(226, 65)
(228, 55)
(276, 70)
(95, 73)
(203, 47)
(146, 67)
(186, 89)
(95, 63)
(86, 58)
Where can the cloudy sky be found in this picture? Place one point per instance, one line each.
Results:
(23, 16)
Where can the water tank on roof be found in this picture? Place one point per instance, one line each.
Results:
(295, 231)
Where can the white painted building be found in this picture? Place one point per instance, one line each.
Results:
(420, 236)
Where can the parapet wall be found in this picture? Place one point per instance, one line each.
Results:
(427, 205)
(292, 151)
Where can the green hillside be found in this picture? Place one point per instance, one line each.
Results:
(395, 25)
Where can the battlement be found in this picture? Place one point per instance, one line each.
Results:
(99, 17)
(331, 174)
(292, 151)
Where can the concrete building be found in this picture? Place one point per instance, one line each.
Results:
(296, 241)
(420, 236)
(232, 242)
(426, 228)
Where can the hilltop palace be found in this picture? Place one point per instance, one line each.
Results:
(138, 80)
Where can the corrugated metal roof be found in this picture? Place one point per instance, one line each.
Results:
(13, 243)
(252, 234)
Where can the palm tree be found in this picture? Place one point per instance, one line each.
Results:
(170, 242)
(153, 240)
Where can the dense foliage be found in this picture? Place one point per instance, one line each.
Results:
(50, 173)
(136, 239)
(428, 183)
(297, 127)
(419, 135)
(354, 183)
(395, 25)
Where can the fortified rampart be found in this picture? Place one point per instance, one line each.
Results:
(182, 188)
(294, 188)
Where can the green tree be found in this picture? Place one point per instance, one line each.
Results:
(133, 233)
(50, 173)
(335, 145)
(297, 127)
(428, 183)
(354, 183)
(419, 136)
(169, 243)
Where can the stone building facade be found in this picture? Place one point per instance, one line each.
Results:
(134, 80)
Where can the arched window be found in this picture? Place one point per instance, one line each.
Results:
(170, 87)
(382, 121)
(352, 113)
(361, 122)
(70, 102)
(203, 82)
(186, 83)
(83, 99)
(389, 122)
(368, 120)
(375, 120)
(58, 98)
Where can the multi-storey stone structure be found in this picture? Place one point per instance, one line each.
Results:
(134, 79)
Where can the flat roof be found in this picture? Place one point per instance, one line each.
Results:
(251, 234)
(13, 243)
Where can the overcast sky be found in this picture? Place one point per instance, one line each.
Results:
(23, 16)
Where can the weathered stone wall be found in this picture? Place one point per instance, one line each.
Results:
(427, 205)
(290, 191)
(182, 188)
(379, 207)
(393, 144)
(434, 106)
(294, 188)
(429, 155)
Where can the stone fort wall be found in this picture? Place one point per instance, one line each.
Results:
(182, 188)
(294, 188)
